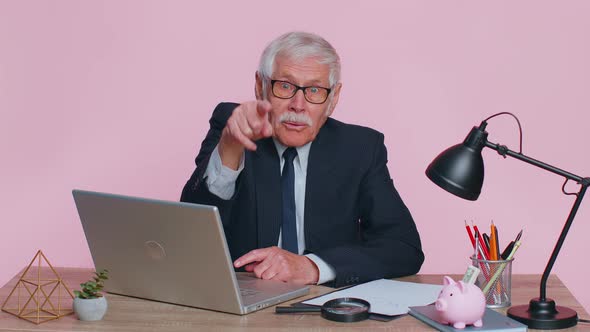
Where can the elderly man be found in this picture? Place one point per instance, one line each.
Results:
(303, 198)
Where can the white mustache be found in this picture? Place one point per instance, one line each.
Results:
(295, 117)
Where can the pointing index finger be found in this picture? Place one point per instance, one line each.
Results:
(263, 107)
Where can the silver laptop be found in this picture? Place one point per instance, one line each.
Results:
(171, 252)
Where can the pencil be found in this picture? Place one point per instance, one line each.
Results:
(497, 240)
(493, 244)
(486, 289)
(470, 234)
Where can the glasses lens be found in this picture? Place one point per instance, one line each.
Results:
(316, 95)
(283, 89)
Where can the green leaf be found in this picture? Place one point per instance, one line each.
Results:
(91, 288)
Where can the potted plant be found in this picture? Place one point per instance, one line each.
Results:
(89, 303)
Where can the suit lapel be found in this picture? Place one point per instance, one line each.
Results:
(322, 160)
(268, 192)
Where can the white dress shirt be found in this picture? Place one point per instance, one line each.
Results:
(221, 181)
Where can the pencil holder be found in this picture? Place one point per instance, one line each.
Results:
(495, 280)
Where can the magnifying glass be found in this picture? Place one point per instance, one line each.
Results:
(344, 309)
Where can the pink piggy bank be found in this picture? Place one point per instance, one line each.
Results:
(460, 304)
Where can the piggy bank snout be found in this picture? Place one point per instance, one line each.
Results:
(440, 305)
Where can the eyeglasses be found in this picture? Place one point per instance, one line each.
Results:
(286, 90)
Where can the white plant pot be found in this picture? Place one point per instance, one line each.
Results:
(90, 309)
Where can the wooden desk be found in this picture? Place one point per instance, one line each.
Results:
(130, 314)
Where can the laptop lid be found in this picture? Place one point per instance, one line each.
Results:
(168, 251)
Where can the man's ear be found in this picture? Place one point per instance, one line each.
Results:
(335, 98)
(258, 86)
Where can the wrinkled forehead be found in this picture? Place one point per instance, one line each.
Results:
(308, 66)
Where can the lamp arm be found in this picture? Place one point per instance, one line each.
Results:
(584, 182)
(503, 150)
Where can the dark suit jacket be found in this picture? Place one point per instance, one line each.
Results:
(354, 218)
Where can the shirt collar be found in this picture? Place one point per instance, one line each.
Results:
(302, 152)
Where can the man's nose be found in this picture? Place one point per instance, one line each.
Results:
(298, 102)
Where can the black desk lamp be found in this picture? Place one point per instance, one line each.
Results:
(459, 170)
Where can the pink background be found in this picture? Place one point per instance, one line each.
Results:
(115, 96)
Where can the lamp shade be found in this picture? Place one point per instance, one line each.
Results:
(459, 169)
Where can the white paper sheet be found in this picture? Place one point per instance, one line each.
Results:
(387, 297)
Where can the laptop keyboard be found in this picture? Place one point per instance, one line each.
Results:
(248, 292)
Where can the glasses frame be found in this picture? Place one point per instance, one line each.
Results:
(297, 88)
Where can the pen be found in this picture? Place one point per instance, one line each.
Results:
(486, 240)
(476, 245)
(509, 247)
(486, 253)
(496, 250)
(518, 236)
(507, 250)
(479, 250)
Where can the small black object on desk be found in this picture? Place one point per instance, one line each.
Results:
(345, 310)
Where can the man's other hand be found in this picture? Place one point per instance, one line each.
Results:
(275, 263)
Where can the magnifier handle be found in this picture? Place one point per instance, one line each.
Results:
(293, 310)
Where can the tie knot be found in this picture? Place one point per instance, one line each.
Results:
(290, 154)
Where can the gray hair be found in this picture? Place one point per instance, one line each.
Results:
(299, 46)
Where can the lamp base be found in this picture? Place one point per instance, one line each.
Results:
(544, 315)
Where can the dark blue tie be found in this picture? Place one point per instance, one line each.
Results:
(289, 227)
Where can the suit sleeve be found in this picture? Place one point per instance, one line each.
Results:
(195, 190)
(390, 244)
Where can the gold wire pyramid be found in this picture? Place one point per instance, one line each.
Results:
(43, 293)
